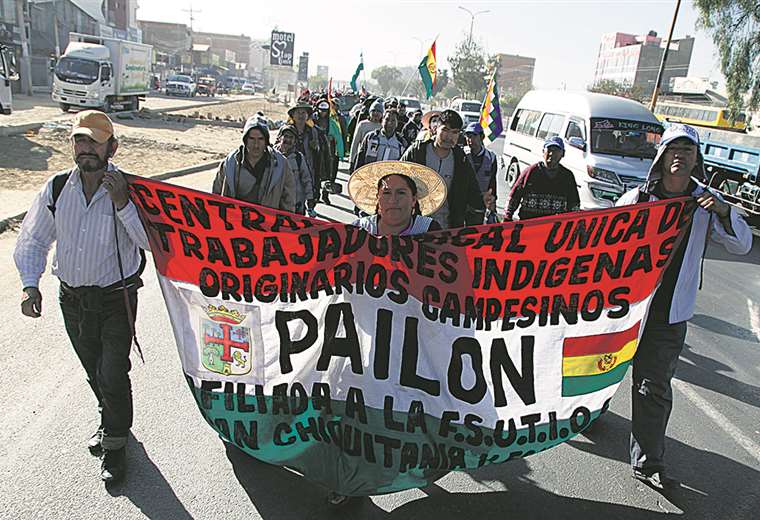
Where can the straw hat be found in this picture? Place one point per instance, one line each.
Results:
(427, 116)
(431, 188)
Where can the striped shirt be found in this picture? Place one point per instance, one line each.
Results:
(85, 252)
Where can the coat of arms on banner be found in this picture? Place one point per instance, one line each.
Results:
(225, 345)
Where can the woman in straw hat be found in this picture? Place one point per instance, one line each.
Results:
(398, 196)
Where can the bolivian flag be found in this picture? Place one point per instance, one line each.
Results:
(590, 363)
(428, 70)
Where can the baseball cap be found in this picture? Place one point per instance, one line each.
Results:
(94, 124)
(323, 105)
(555, 141)
(678, 130)
(473, 128)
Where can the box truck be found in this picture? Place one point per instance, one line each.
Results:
(98, 72)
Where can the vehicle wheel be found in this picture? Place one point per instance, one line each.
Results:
(64, 106)
(513, 172)
(107, 106)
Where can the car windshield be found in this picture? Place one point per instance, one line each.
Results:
(470, 107)
(625, 138)
(181, 79)
(411, 103)
(75, 70)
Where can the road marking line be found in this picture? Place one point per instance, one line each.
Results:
(754, 317)
(721, 420)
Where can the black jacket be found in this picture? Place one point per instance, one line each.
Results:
(465, 200)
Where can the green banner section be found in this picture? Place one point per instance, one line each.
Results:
(358, 450)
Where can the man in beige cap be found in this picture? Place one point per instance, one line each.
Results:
(98, 260)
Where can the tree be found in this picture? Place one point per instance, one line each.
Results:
(468, 68)
(614, 88)
(388, 78)
(735, 29)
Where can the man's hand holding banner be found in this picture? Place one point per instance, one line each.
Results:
(375, 364)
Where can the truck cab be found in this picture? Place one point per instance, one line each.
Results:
(102, 73)
(8, 73)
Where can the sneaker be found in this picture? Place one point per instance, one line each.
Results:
(96, 449)
(113, 466)
(656, 479)
(312, 213)
(336, 500)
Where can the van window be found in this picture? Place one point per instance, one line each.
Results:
(575, 129)
(624, 137)
(528, 122)
(551, 125)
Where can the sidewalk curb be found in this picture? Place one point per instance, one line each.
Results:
(8, 223)
(7, 131)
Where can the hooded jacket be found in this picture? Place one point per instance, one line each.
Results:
(275, 189)
(704, 226)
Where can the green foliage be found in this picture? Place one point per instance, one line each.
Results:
(735, 29)
(468, 68)
(608, 86)
(388, 78)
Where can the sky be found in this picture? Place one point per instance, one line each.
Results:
(563, 35)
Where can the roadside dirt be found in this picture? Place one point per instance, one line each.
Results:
(149, 143)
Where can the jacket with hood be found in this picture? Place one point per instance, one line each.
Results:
(465, 200)
(276, 188)
(704, 226)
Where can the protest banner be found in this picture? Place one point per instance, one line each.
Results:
(376, 364)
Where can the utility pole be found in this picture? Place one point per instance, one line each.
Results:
(192, 18)
(26, 60)
(660, 73)
(472, 19)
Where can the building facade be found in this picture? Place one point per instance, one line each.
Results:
(634, 60)
(515, 75)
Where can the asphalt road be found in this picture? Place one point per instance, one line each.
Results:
(179, 468)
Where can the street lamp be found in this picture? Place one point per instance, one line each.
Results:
(472, 19)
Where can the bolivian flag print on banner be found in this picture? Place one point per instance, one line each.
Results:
(376, 364)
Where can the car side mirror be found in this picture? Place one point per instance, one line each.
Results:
(577, 142)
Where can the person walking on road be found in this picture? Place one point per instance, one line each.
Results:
(412, 127)
(87, 211)
(677, 170)
(545, 188)
(286, 145)
(255, 172)
(464, 204)
(368, 125)
(313, 145)
(382, 144)
(485, 165)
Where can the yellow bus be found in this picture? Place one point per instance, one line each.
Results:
(699, 115)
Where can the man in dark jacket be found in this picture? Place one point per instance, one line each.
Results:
(312, 143)
(464, 203)
(545, 188)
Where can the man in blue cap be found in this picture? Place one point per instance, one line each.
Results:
(545, 188)
(677, 171)
(485, 165)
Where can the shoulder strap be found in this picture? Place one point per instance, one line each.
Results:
(59, 181)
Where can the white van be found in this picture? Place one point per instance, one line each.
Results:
(468, 109)
(609, 141)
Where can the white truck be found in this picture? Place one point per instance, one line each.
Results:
(97, 72)
(8, 73)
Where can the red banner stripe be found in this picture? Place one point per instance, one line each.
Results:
(599, 343)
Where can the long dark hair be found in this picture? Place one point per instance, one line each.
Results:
(412, 187)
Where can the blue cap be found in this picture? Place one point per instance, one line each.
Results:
(474, 128)
(678, 130)
(555, 141)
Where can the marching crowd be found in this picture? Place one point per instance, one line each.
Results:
(410, 173)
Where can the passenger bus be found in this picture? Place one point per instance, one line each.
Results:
(705, 115)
